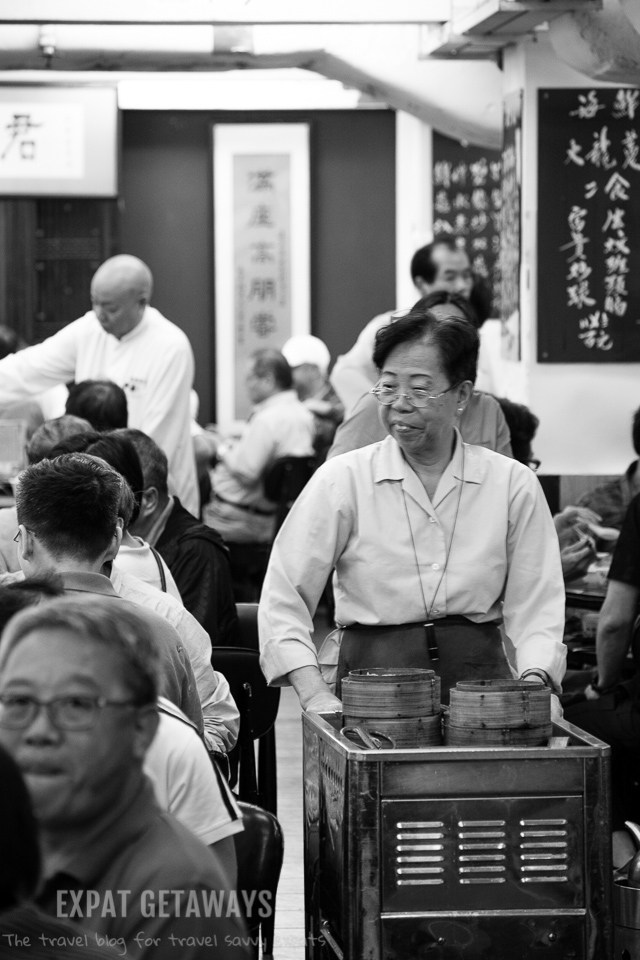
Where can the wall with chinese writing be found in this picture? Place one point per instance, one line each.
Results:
(167, 220)
(585, 408)
(589, 216)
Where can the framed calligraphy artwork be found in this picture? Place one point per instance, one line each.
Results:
(261, 227)
(589, 225)
(57, 141)
(510, 227)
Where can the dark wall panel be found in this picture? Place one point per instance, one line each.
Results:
(167, 220)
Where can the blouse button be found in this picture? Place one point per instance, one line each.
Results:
(435, 566)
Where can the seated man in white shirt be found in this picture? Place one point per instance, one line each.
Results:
(279, 426)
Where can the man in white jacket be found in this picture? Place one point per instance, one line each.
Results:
(125, 340)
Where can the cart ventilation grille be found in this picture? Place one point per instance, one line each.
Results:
(524, 846)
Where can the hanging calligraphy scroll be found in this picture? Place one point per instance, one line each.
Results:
(466, 204)
(589, 226)
(510, 232)
(58, 141)
(261, 216)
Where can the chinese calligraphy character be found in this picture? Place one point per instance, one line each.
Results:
(479, 199)
(578, 295)
(619, 245)
(479, 222)
(19, 129)
(459, 174)
(442, 173)
(441, 202)
(579, 270)
(461, 201)
(599, 153)
(441, 226)
(631, 150)
(262, 289)
(588, 106)
(261, 180)
(261, 216)
(625, 104)
(595, 332)
(573, 153)
(590, 189)
(263, 324)
(479, 172)
(615, 220)
(616, 187)
(262, 252)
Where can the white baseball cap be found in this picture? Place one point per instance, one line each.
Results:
(307, 349)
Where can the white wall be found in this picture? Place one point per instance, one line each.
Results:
(584, 409)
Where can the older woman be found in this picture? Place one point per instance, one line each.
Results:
(433, 541)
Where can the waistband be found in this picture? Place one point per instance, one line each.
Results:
(455, 618)
(245, 507)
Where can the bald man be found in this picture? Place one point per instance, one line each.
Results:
(125, 340)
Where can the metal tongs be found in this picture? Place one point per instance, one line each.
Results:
(370, 738)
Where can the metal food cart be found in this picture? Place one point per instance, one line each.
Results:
(486, 853)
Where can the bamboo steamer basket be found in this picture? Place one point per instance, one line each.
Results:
(391, 693)
(455, 736)
(404, 733)
(500, 704)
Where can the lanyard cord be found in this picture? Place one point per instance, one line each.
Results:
(428, 610)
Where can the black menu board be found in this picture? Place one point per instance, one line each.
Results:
(466, 204)
(589, 225)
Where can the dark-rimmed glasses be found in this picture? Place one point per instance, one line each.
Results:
(18, 711)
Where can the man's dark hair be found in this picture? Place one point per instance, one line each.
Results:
(455, 339)
(422, 264)
(101, 402)
(19, 847)
(153, 460)
(52, 432)
(522, 425)
(120, 453)
(481, 298)
(272, 362)
(70, 504)
(636, 431)
(24, 593)
(9, 341)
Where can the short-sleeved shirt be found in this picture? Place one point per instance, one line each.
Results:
(625, 566)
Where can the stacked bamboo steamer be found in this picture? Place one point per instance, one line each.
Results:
(510, 713)
(402, 704)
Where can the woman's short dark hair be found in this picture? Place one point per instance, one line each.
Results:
(441, 297)
(456, 340)
(101, 402)
(19, 850)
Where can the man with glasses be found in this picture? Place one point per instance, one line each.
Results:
(78, 691)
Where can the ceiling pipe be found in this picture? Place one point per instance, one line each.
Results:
(602, 45)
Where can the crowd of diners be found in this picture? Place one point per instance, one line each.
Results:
(424, 514)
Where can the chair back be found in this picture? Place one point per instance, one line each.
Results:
(259, 853)
(258, 706)
(248, 625)
(284, 482)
